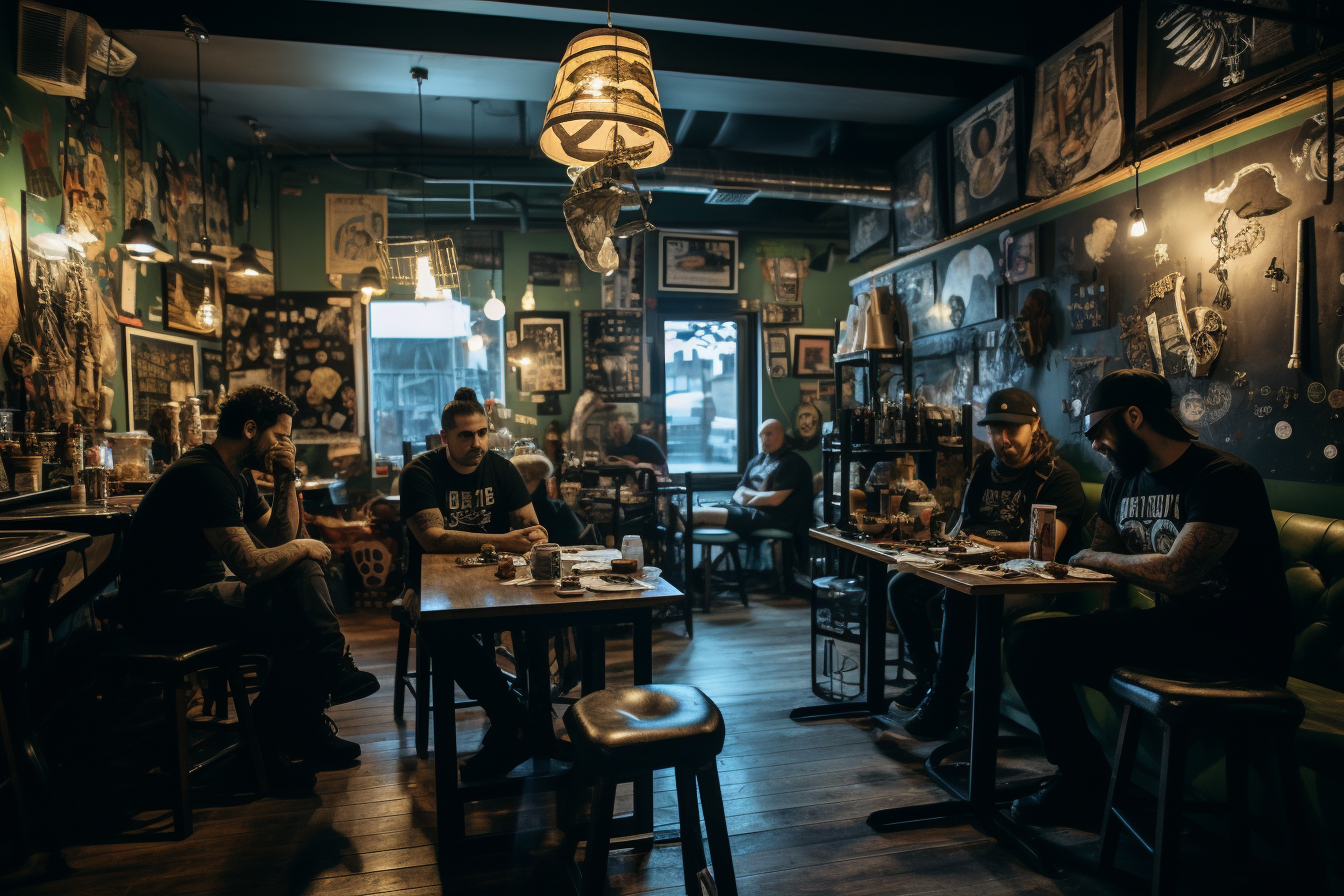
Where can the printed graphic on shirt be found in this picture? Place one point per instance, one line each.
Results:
(1150, 524)
(468, 510)
(758, 476)
(1002, 505)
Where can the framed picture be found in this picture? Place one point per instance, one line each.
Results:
(1019, 256)
(697, 262)
(918, 291)
(553, 269)
(776, 352)
(812, 351)
(213, 375)
(1089, 307)
(615, 364)
(1078, 126)
(159, 368)
(985, 146)
(868, 227)
(355, 224)
(782, 314)
(548, 370)
(966, 295)
(184, 290)
(919, 196)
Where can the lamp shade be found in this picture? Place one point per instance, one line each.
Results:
(247, 263)
(605, 100)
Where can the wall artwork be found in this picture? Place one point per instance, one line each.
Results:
(868, 228)
(781, 314)
(553, 269)
(1089, 307)
(320, 366)
(1019, 256)
(777, 353)
(968, 295)
(159, 369)
(1078, 126)
(985, 149)
(355, 224)
(1084, 374)
(697, 262)
(918, 191)
(213, 376)
(549, 370)
(918, 289)
(185, 287)
(613, 354)
(812, 351)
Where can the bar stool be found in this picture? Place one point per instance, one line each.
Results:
(417, 682)
(620, 732)
(1241, 710)
(785, 568)
(708, 537)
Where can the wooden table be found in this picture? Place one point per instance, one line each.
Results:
(470, 599)
(980, 798)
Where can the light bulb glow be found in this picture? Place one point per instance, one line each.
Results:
(529, 300)
(607, 259)
(494, 308)
(1138, 226)
(475, 343)
(140, 248)
(278, 349)
(251, 272)
(425, 287)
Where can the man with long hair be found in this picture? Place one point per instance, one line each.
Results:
(1019, 470)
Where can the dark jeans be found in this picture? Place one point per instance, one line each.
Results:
(481, 679)
(908, 598)
(1047, 657)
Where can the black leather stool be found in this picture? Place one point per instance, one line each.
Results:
(417, 682)
(621, 731)
(1243, 711)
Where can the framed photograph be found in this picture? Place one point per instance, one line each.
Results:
(812, 351)
(159, 368)
(918, 291)
(1089, 307)
(985, 148)
(1019, 256)
(919, 196)
(697, 262)
(1078, 126)
(615, 364)
(868, 227)
(549, 367)
(782, 314)
(355, 224)
(184, 290)
(966, 294)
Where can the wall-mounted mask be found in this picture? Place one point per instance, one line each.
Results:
(1032, 325)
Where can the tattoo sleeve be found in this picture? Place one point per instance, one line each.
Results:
(1104, 536)
(247, 561)
(1196, 551)
(427, 527)
(285, 515)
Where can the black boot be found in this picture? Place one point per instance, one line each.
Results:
(914, 695)
(937, 714)
(504, 747)
(1070, 799)
(315, 741)
(348, 683)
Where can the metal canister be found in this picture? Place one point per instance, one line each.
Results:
(1042, 543)
(95, 483)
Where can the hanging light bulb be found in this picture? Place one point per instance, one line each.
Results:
(494, 308)
(207, 313)
(475, 342)
(1137, 226)
(200, 254)
(277, 349)
(425, 287)
(247, 263)
(529, 301)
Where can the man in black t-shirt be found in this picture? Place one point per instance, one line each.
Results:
(775, 491)
(455, 499)
(628, 447)
(1019, 470)
(205, 512)
(1187, 521)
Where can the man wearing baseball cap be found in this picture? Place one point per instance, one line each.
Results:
(1190, 523)
(1019, 470)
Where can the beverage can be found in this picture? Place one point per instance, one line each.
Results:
(1042, 541)
(546, 562)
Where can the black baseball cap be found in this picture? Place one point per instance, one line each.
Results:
(1010, 406)
(1143, 389)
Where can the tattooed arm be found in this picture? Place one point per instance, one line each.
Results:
(254, 564)
(1105, 538)
(428, 529)
(1197, 549)
(280, 525)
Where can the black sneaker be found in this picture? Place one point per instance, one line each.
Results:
(316, 742)
(504, 748)
(348, 683)
(1066, 800)
(937, 715)
(914, 695)
(286, 777)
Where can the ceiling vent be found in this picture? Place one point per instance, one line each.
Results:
(731, 197)
(53, 48)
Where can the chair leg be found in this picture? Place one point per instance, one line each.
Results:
(1116, 798)
(599, 836)
(1171, 788)
(424, 691)
(1306, 859)
(1237, 766)
(399, 676)
(716, 826)
(175, 709)
(686, 611)
(248, 736)
(688, 811)
(735, 558)
(707, 561)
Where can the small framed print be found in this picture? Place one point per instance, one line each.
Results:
(697, 262)
(1089, 307)
(782, 314)
(1019, 256)
(812, 351)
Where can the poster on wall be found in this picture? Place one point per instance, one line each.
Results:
(697, 262)
(1078, 125)
(613, 354)
(135, 196)
(355, 222)
(320, 369)
(553, 269)
(159, 369)
(250, 332)
(548, 350)
(918, 190)
(918, 290)
(213, 376)
(185, 289)
(985, 169)
(868, 228)
(171, 198)
(812, 352)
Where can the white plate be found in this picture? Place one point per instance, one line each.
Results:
(595, 583)
(570, 592)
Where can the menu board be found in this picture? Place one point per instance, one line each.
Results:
(159, 369)
(613, 354)
(320, 365)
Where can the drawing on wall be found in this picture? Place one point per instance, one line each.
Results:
(184, 291)
(1308, 152)
(984, 149)
(320, 366)
(549, 369)
(1078, 127)
(967, 295)
(159, 369)
(918, 192)
(917, 287)
(356, 222)
(613, 354)
(1098, 242)
(868, 228)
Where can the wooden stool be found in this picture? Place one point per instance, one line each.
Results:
(785, 569)
(1243, 710)
(622, 731)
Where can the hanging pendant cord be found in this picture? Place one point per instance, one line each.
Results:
(1136, 185)
(200, 142)
(424, 189)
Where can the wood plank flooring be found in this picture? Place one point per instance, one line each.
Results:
(795, 795)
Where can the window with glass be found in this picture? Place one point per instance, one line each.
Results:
(701, 380)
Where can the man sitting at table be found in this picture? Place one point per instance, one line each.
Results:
(1019, 470)
(454, 499)
(205, 512)
(629, 447)
(775, 491)
(1187, 521)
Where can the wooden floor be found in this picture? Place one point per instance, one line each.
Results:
(796, 798)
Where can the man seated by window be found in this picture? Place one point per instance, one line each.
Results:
(1187, 521)
(454, 499)
(775, 491)
(205, 512)
(629, 447)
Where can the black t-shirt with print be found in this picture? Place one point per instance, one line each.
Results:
(480, 501)
(998, 508)
(1246, 591)
(641, 450)
(166, 547)
(784, 469)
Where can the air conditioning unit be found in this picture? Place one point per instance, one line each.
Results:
(53, 48)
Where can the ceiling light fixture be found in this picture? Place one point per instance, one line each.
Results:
(605, 100)
(141, 242)
(494, 308)
(1137, 226)
(370, 283)
(200, 256)
(529, 300)
(206, 312)
(247, 263)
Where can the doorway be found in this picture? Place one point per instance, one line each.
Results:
(708, 369)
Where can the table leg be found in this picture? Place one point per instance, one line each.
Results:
(643, 674)
(451, 807)
(538, 661)
(593, 650)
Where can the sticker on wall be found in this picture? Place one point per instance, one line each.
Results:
(1264, 410)
(1283, 429)
(1192, 409)
(1217, 402)
(1336, 399)
(1160, 256)
(1316, 392)
(1330, 452)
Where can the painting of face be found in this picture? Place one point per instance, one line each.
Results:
(984, 157)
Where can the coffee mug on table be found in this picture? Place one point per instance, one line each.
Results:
(546, 562)
(1042, 539)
